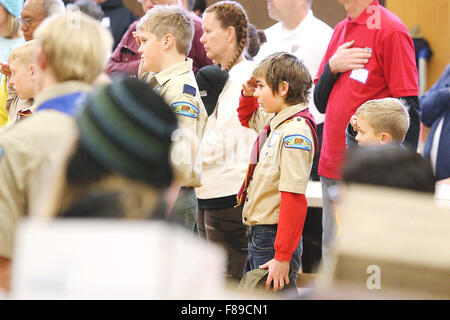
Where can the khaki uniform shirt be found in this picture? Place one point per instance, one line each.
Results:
(178, 87)
(27, 149)
(284, 164)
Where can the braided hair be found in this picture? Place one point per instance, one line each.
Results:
(232, 14)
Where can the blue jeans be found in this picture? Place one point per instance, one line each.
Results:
(261, 241)
(185, 209)
(328, 217)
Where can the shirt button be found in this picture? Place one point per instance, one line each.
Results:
(126, 59)
(245, 218)
(246, 199)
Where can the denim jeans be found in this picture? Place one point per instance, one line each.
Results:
(185, 208)
(328, 218)
(261, 241)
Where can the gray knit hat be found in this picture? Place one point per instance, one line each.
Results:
(127, 128)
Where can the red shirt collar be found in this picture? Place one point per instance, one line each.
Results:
(364, 16)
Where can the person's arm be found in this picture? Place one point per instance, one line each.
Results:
(344, 59)
(436, 99)
(323, 89)
(412, 135)
(291, 220)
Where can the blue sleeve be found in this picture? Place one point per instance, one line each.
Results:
(436, 100)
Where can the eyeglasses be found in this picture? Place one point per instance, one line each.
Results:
(28, 21)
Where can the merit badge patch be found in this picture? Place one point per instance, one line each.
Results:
(185, 109)
(297, 141)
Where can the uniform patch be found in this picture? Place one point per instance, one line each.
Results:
(297, 141)
(185, 109)
(189, 89)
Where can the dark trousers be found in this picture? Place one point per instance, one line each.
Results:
(224, 227)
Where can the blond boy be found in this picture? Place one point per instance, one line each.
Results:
(383, 121)
(71, 51)
(21, 81)
(164, 37)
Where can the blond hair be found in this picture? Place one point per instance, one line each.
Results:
(24, 53)
(12, 25)
(283, 66)
(386, 115)
(76, 46)
(162, 20)
(232, 14)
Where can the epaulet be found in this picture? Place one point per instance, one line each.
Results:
(189, 89)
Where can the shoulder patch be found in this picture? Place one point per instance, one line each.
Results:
(185, 109)
(297, 141)
(189, 89)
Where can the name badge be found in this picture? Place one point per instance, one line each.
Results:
(360, 75)
(274, 139)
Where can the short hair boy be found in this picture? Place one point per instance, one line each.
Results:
(274, 189)
(21, 81)
(165, 36)
(71, 51)
(382, 121)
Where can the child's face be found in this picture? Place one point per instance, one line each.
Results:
(366, 134)
(271, 102)
(214, 38)
(151, 51)
(22, 79)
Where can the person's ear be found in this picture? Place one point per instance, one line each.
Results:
(283, 88)
(231, 34)
(168, 41)
(386, 138)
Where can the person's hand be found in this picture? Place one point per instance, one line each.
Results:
(136, 37)
(347, 58)
(249, 87)
(278, 273)
(354, 123)
(5, 69)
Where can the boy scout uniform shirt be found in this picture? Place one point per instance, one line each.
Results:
(285, 162)
(177, 86)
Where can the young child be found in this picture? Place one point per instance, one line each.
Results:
(64, 73)
(274, 189)
(164, 37)
(382, 121)
(21, 81)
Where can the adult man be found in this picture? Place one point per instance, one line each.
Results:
(370, 56)
(35, 11)
(126, 59)
(300, 33)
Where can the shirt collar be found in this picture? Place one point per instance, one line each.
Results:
(285, 114)
(364, 16)
(173, 71)
(60, 89)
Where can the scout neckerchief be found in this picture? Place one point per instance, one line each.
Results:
(257, 146)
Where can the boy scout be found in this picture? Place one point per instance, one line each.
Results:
(64, 73)
(165, 36)
(273, 191)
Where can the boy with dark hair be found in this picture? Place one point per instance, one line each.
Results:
(274, 188)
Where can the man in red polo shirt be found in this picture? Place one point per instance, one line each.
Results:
(370, 56)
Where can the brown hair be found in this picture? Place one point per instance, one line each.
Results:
(283, 66)
(386, 115)
(162, 20)
(232, 14)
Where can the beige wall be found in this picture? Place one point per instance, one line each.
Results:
(432, 16)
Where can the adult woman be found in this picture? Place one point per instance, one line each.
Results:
(226, 145)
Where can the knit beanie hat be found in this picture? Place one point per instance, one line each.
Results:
(211, 80)
(128, 128)
(13, 6)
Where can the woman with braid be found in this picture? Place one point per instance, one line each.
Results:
(226, 145)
